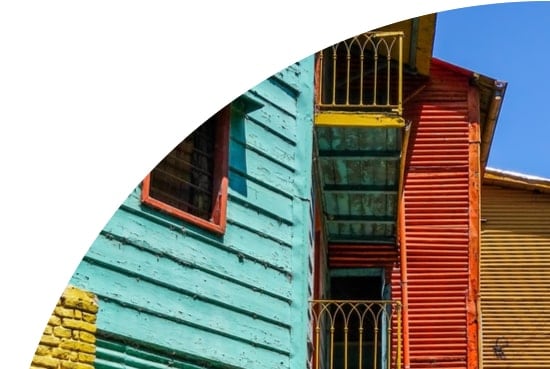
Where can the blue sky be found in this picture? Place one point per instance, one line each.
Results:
(507, 42)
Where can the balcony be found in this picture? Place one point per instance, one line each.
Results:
(363, 74)
(359, 134)
(356, 334)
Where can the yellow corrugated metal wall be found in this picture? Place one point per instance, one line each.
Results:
(515, 278)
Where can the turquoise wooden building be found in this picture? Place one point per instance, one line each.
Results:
(275, 236)
(221, 277)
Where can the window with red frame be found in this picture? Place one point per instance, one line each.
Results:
(191, 181)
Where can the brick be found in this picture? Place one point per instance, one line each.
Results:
(79, 324)
(49, 340)
(45, 361)
(74, 365)
(48, 329)
(73, 292)
(64, 312)
(43, 350)
(78, 314)
(86, 358)
(54, 320)
(62, 332)
(78, 299)
(62, 354)
(87, 337)
(78, 346)
(89, 317)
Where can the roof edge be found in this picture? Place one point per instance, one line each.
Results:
(498, 90)
(493, 91)
(509, 179)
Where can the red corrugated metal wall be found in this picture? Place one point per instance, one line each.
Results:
(361, 256)
(437, 222)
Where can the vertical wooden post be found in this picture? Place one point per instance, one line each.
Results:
(474, 180)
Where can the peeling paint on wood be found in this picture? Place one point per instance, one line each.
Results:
(176, 288)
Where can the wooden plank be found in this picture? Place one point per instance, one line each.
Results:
(186, 247)
(474, 228)
(186, 279)
(187, 311)
(256, 166)
(253, 195)
(256, 135)
(276, 95)
(232, 300)
(209, 346)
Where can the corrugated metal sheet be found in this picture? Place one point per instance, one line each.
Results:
(515, 278)
(361, 256)
(437, 222)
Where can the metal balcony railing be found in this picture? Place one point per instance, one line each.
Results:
(356, 334)
(363, 73)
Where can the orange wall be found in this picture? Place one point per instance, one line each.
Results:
(438, 226)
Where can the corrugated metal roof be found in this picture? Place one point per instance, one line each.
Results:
(510, 179)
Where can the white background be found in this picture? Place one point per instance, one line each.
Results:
(94, 94)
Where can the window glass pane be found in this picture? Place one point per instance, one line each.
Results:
(184, 178)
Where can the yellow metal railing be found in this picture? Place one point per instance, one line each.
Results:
(361, 73)
(356, 334)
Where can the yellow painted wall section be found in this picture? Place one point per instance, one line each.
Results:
(68, 342)
(515, 278)
(424, 41)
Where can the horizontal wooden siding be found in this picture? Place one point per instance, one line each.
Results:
(233, 300)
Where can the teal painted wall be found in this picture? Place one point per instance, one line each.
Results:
(237, 300)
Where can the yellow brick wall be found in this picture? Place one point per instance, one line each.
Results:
(69, 339)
